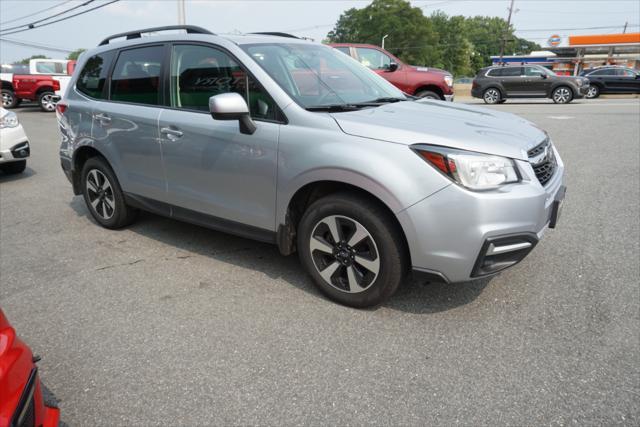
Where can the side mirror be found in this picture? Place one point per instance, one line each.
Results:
(232, 106)
(544, 76)
(392, 67)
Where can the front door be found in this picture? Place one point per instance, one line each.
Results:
(211, 167)
(128, 122)
(536, 82)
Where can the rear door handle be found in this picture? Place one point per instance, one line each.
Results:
(172, 134)
(102, 118)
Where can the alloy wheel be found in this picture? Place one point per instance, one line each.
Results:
(561, 95)
(344, 253)
(492, 96)
(47, 102)
(593, 92)
(100, 194)
(7, 100)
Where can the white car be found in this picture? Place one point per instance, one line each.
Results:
(14, 144)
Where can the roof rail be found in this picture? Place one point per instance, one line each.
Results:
(191, 29)
(277, 34)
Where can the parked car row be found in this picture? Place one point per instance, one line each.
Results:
(43, 81)
(498, 83)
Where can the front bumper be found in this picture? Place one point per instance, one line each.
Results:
(454, 231)
(14, 144)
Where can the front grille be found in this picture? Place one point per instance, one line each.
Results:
(543, 161)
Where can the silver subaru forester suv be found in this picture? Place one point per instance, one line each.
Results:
(291, 142)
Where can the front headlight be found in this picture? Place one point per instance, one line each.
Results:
(448, 80)
(10, 120)
(475, 171)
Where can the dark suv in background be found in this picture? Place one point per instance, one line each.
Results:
(612, 80)
(498, 83)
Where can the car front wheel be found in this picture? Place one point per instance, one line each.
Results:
(9, 99)
(593, 92)
(350, 247)
(103, 195)
(492, 96)
(427, 94)
(562, 95)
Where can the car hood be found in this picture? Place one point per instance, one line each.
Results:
(446, 124)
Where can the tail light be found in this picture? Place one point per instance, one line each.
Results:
(61, 107)
(56, 85)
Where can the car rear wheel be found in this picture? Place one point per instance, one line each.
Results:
(47, 102)
(491, 96)
(350, 247)
(427, 94)
(9, 99)
(562, 95)
(103, 195)
(593, 92)
(12, 168)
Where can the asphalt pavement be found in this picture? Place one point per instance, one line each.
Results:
(166, 323)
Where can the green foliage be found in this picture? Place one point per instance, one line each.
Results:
(25, 61)
(75, 54)
(456, 43)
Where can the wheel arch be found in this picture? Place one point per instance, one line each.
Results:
(7, 85)
(430, 87)
(569, 86)
(305, 195)
(80, 157)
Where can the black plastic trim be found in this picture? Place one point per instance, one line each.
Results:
(505, 260)
(136, 34)
(25, 398)
(429, 275)
(201, 219)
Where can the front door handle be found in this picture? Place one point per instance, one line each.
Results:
(102, 118)
(172, 134)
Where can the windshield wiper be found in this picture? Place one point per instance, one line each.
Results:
(335, 107)
(385, 100)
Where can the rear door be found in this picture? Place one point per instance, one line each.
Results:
(211, 167)
(127, 123)
(511, 78)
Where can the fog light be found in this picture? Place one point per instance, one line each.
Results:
(503, 252)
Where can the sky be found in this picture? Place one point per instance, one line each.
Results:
(534, 19)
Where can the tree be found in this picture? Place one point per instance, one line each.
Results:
(25, 61)
(75, 54)
(411, 35)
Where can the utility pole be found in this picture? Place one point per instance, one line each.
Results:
(625, 27)
(182, 18)
(385, 36)
(504, 34)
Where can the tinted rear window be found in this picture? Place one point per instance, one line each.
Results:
(136, 76)
(94, 75)
(505, 72)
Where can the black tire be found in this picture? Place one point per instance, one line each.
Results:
(118, 216)
(562, 95)
(428, 94)
(492, 95)
(9, 99)
(502, 101)
(12, 168)
(593, 93)
(382, 244)
(45, 101)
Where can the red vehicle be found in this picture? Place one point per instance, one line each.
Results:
(423, 82)
(39, 88)
(21, 402)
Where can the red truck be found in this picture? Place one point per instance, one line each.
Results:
(423, 82)
(39, 88)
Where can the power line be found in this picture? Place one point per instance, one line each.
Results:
(574, 29)
(36, 45)
(34, 13)
(61, 19)
(31, 24)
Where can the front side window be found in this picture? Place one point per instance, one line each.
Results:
(626, 73)
(315, 75)
(373, 58)
(533, 72)
(49, 68)
(94, 75)
(200, 72)
(344, 49)
(136, 76)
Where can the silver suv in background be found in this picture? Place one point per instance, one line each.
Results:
(291, 142)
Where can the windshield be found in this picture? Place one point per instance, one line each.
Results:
(317, 76)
